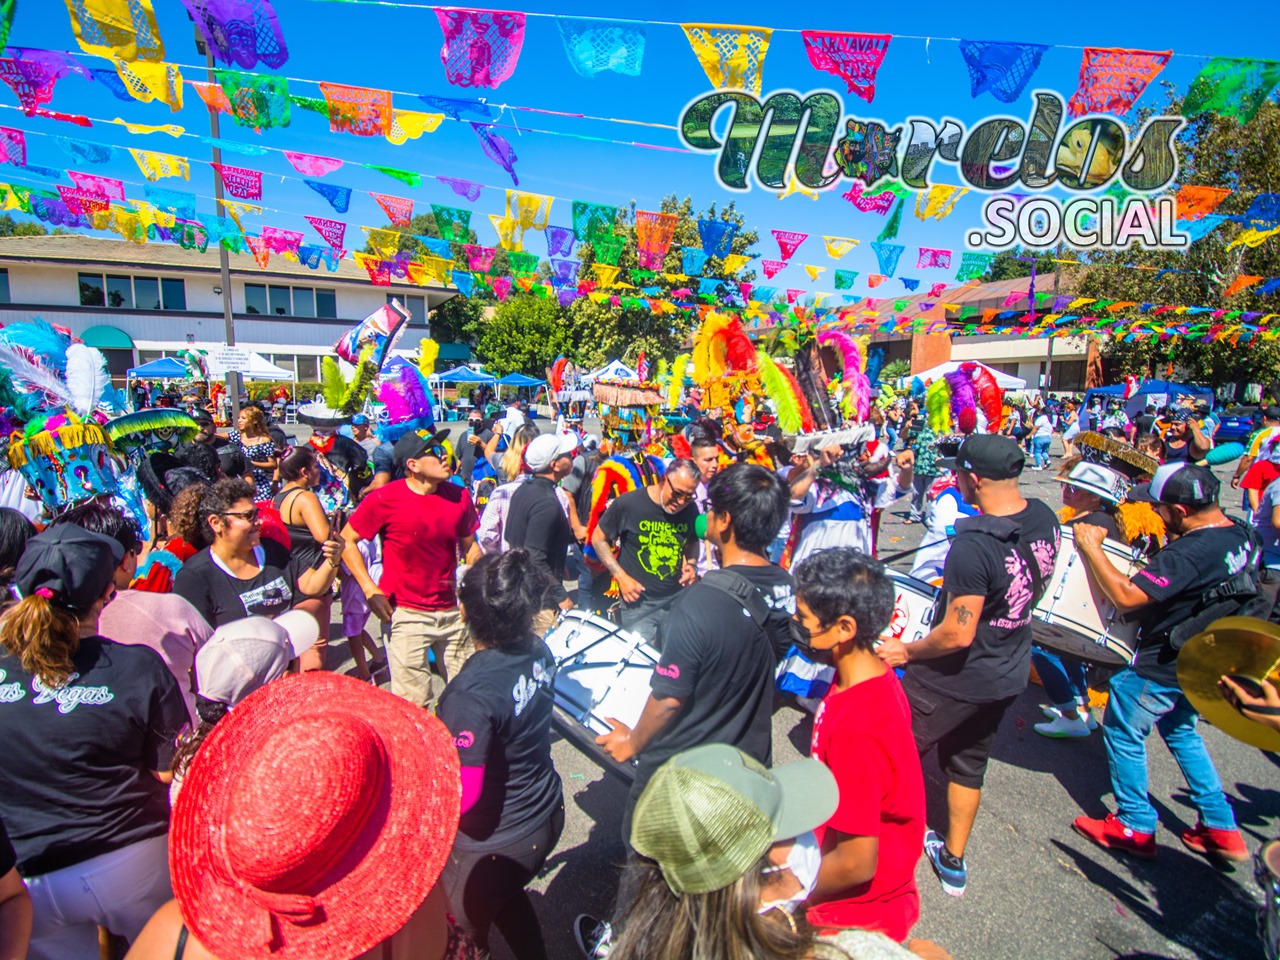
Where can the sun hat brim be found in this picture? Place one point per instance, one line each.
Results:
(810, 796)
(387, 872)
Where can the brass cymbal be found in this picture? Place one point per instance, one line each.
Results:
(1241, 646)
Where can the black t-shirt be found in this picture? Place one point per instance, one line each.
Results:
(537, 522)
(75, 782)
(498, 709)
(775, 585)
(1176, 578)
(717, 661)
(8, 856)
(222, 598)
(651, 542)
(1144, 424)
(467, 452)
(991, 557)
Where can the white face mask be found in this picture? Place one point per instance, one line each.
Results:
(803, 861)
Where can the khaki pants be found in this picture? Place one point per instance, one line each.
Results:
(413, 633)
(543, 620)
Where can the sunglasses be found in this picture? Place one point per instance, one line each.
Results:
(681, 496)
(248, 516)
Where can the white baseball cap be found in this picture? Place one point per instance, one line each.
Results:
(545, 450)
(247, 654)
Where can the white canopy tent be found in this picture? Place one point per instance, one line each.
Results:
(1003, 380)
(260, 368)
(613, 370)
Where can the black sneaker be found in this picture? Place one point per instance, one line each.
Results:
(594, 936)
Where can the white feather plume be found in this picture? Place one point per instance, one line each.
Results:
(30, 376)
(87, 377)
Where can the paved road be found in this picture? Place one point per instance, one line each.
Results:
(1036, 889)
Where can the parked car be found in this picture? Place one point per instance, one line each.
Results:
(1238, 424)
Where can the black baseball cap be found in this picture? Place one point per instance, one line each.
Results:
(987, 455)
(1271, 413)
(414, 444)
(1181, 484)
(74, 564)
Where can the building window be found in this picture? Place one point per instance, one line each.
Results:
(146, 293)
(175, 293)
(146, 356)
(289, 301)
(304, 302)
(255, 298)
(278, 301)
(4, 286)
(285, 361)
(417, 307)
(327, 304)
(309, 368)
(92, 293)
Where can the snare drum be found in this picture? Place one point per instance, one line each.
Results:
(601, 671)
(914, 606)
(1075, 617)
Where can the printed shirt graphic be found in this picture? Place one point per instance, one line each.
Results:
(75, 781)
(651, 542)
(1175, 579)
(498, 709)
(221, 597)
(981, 564)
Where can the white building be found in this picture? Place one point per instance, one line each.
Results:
(140, 302)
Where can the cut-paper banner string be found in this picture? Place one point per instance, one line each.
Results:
(452, 223)
(608, 248)
(931, 257)
(1232, 87)
(107, 188)
(214, 97)
(438, 247)
(1196, 202)
(973, 265)
(171, 129)
(178, 202)
(152, 81)
(479, 259)
(793, 185)
(333, 231)
(788, 242)
(594, 46)
(1252, 237)
(893, 225)
(239, 182)
(874, 203)
(845, 278)
(339, 197)
(837, 247)
(13, 146)
(398, 209)
(7, 10)
(237, 210)
(853, 57)
(591, 220)
(463, 188)
(497, 149)
(692, 261)
(717, 237)
(910, 283)
(732, 56)
(1240, 283)
(938, 201)
(887, 255)
(258, 102)
(501, 287)
(813, 271)
(311, 257)
(384, 242)
(1200, 228)
(82, 152)
(481, 47)
(1001, 69)
(156, 166)
(116, 29)
(606, 274)
(875, 279)
(240, 31)
(560, 241)
(1111, 80)
(735, 262)
(31, 81)
(111, 80)
(530, 210)
(1265, 207)
(510, 236)
(410, 177)
(461, 109)
(281, 241)
(937, 289)
(312, 166)
(772, 267)
(358, 110)
(261, 252)
(409, 125)
(653, 237)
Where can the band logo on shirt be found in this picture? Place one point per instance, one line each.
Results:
(69, 697)
(526, 688)
(10, 692)
(671, 673)
(465, 739)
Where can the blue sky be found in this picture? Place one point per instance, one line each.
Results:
(397, 48)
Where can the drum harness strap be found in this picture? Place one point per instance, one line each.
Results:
(749, 598)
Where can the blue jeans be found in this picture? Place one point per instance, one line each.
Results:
(1040, 450)
(1063, 677)
(1135, 706)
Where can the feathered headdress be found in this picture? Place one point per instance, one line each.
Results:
(937, 405)
(964, 401)
(346, 396)
(406, 404)
(676, 388)
(722, 346)
(852, 365)
(990, 396)
(794, 415)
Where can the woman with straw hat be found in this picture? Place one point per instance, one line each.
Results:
(313, 824)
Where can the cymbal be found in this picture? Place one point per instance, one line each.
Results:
(1244, 647)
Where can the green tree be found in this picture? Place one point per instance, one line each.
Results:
(22, 228)
(1016, 262)
(1212, 151)
(524, 335)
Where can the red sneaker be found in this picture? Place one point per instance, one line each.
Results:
(1114, 835)
(1227, 844)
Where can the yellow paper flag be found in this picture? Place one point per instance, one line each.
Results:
(795, 186)
(676, 277)
(152, 81)
(735, 262)
(116, 29)
(157, 166)
(837, 247)
(1252, 237)
(732, 56)
(605, 273)
(510, 236)
(939, 201)
(171, 129)
(531, 210)
(812, 271)
(235, 210)
(410, 125)
(147, 215)
(385, 243)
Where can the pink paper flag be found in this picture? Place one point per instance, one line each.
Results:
(479, 259)
(481, 47)
(789, 242)
(82, 202)
(853, 57)
(332, 230)
(398, 210)
(936, 289)
(1015, 296)
(931, 257)
(502, 287)
(94, 185)
(261, 250)
(876, 203)
(281, 241)
(312, 166)
(771, 267)
(13, 146)
(240, 182)
(793, 295)
(1111, 80)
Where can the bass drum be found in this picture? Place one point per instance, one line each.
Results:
(1074, 617)
(914, 608)
(601, 671)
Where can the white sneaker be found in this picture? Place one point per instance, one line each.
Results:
(1050, 711)
(1063, 727)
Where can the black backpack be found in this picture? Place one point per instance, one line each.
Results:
(1240, 596)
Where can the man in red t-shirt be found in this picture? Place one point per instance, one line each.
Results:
(862, 732)
(425, 523)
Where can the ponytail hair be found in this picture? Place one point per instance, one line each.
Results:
(209, 712)
(43, 637)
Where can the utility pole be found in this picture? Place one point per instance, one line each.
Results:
(229, 323)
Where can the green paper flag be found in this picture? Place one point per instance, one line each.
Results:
(845, 278)
(404, 176)
(967, 312)
(522, 264)
(314, 104)
(453, 223)
(608, 248)
(895, 222)
(1231, 87)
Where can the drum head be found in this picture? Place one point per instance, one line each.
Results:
(1062, 640)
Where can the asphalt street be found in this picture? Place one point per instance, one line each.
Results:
(1036, 888)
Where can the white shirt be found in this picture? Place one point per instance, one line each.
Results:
(1044, 427)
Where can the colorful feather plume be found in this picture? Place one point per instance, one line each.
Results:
(722, 346)
(786, 403)
(86, 376)
(964, 400)
(428, 352)
(31, 375)
(847, 349)
(44, 342)
(937, 405)
(332, 383)
(990, 396)
(676, 388)
(556, 377)
(405, 395)
(361, 383)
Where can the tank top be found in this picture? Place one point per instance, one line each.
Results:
(305, 545)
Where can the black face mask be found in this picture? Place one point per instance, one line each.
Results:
(800, 636)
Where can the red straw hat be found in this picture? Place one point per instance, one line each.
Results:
(314, 821)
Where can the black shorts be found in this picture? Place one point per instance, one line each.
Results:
(963, 732)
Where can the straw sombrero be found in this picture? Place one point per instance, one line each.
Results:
(314, 820)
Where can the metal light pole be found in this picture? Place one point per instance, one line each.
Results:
(229, 323)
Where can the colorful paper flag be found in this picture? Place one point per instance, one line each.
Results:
(788, 242)
(1111, 80)
(732, 56)
(1001, 69)
(853, 57)
(333, 231)
(398, 209)
(594, 46)
(481, 47)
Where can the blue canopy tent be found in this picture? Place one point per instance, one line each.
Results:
(459, 374)
(166, 368)
(1158, 393)
(520, 380)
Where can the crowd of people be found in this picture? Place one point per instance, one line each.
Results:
(186, 774)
